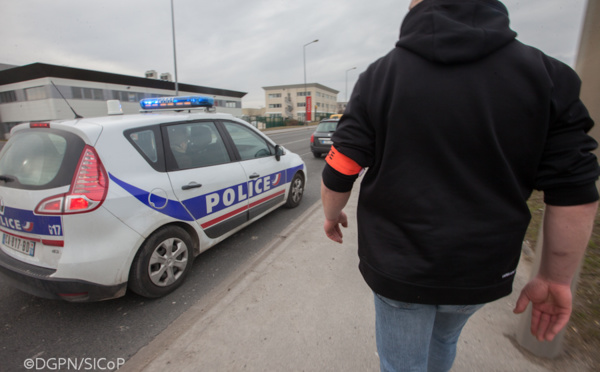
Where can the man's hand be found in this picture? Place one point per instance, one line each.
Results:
(567, 230)
(333, 230)
(552, 304)
(333, 205)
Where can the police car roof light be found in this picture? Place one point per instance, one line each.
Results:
(170, 103)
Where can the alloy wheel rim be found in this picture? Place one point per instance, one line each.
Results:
(168, 262)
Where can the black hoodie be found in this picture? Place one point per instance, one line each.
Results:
(457, 125)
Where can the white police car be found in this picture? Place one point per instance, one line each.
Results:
(91, 207)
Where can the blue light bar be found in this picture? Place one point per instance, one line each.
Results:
(170, 103)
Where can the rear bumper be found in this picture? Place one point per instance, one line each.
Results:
(38, 281)
(320, 148)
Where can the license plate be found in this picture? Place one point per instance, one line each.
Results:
(20, 245)
(326, 142)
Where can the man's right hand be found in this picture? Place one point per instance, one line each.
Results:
(552, 305)
(333, 230)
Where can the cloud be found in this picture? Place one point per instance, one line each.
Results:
(242, 45)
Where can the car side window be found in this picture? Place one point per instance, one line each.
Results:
(249, 144)
(145, 141)
(197, 144)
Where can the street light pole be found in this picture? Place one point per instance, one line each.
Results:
(304, 57)
(350, 69)
(174, 50)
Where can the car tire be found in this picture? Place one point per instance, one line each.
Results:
(316, 154)
(162, 263)
(296, 191)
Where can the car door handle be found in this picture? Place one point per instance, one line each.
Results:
(254, 175)
(191, 185)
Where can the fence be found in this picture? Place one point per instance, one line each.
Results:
(265, 122)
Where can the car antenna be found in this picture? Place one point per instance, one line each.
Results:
(77, 116)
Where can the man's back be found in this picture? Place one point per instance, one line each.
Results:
(457, 125)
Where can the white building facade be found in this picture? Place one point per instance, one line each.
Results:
(288, 101)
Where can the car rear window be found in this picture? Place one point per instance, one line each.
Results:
(39, 159)
(327, 126)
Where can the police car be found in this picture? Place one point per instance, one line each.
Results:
(92, 207)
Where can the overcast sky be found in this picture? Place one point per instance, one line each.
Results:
(243, 45)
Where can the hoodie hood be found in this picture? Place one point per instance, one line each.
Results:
(454, 31)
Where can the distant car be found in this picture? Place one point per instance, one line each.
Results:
(320, 140)
(92, 207)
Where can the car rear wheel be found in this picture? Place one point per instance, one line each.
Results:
(296, 191)
(162, 263)
(316, 154)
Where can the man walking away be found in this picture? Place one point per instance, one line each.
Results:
(456, 126)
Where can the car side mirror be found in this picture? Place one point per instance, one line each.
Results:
(278, 152)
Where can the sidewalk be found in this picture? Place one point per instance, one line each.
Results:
(303, 306)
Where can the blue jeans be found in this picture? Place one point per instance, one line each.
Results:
(418, 338)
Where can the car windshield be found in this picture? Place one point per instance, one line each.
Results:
(327, 126)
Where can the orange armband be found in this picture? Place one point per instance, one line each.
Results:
(342, 163)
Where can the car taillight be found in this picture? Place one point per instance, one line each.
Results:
(39, 125)
(88, 188)
(312, 138)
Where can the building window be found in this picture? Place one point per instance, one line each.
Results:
(35, 93)
(98, 94)
(127, 96)
(7, 97)
(301, 104)
(275, 95)
(228, 104)
(87, 93)
(275, 105)
(76, 92)
(303, 94)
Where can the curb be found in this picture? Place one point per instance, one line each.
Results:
(203, 312)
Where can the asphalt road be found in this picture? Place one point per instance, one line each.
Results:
(110, 332)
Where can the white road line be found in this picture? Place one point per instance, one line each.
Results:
(302, 140)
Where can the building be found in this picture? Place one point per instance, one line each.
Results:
(254, 111)
(35, 93)
(341, 107)
(288, 101)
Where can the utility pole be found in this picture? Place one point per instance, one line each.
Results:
(174, 49)
(307, 101)
(350, 69)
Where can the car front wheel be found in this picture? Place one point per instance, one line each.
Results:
(296, 191)
(162, 263)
